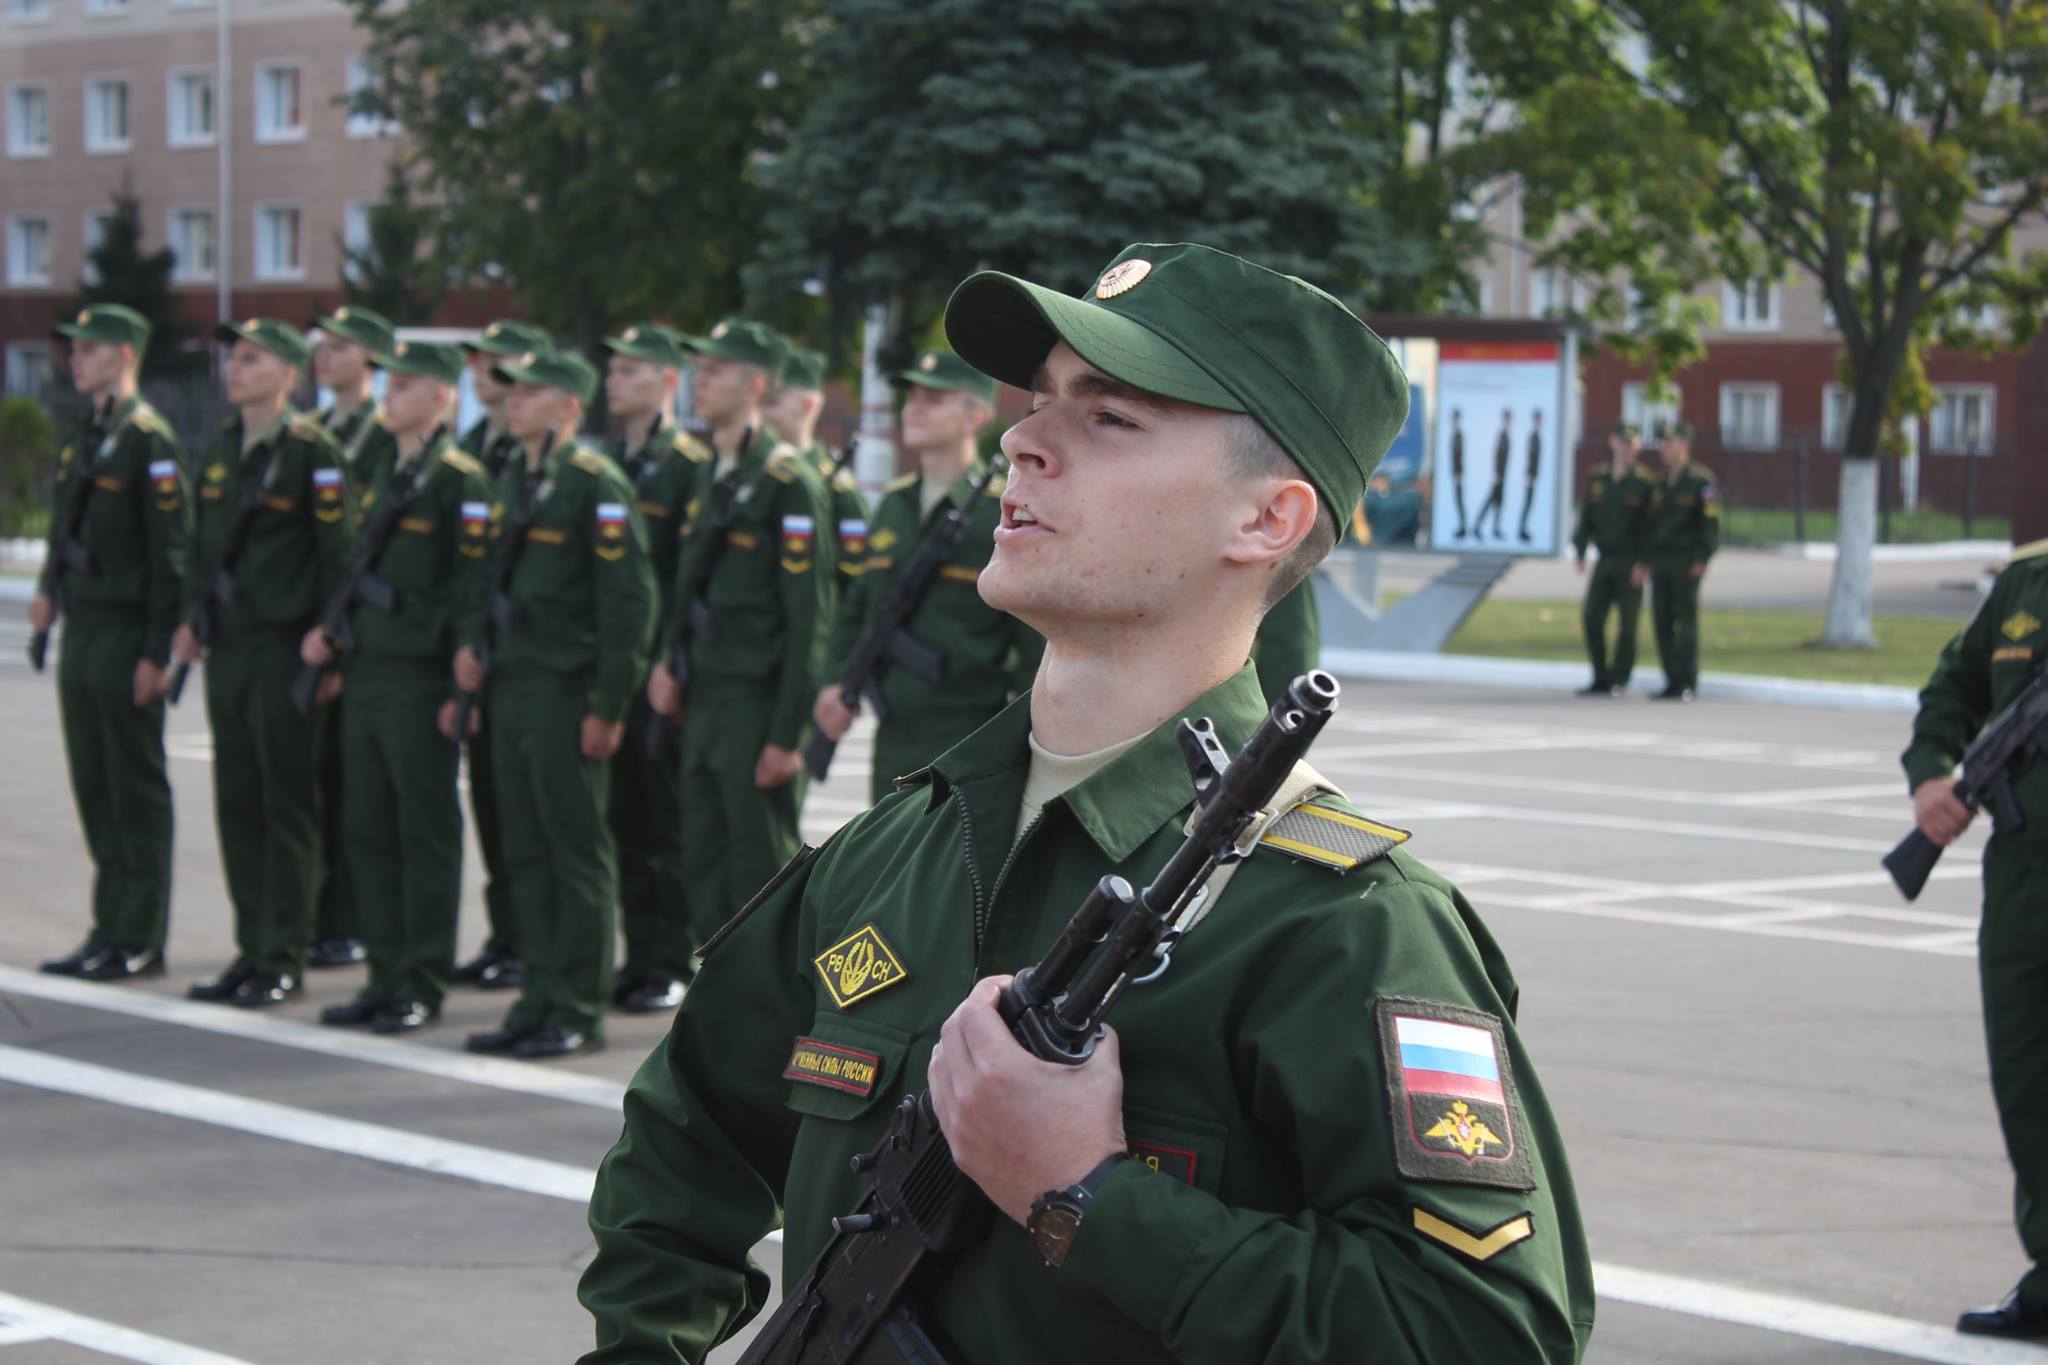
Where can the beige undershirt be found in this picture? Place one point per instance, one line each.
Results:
(1053, 774)
(930, 495)
(724, 466)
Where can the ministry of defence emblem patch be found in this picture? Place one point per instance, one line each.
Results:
(1451, 1094)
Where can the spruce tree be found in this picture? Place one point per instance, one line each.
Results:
(121, 271)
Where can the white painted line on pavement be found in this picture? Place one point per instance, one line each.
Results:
(1397, 810)
(494, 1072)
(1900, 811)
(124, 1343)
(372, 1142)
(1805, 1318)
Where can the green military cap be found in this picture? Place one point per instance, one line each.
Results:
(365, 328)
(429, 358)
(944, 370)
(1205, 327)
(752, 343)
(509, 339)
(1626, 431)
(281, 339)
(107, 322)
(802, 368)
(564, 370)
(1680, 429)
(650, 342)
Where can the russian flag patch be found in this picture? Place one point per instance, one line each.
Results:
(1451, 1095)
(327, 478)
(163, 469)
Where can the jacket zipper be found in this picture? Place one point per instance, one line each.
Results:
(973, 874)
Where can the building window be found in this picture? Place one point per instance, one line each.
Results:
(361, 81)
(106, 115)
(28, 369)
(28, 120)
(106, 9)
(279, 249)
(28, 11)
(1962, 420)
(28, 251)
(1551, 294)
(1834, 416)
(1647, 416)
(355, 233)
(280, 104)
(190, 113)
(1749, 307)
(96, 221)
(1749, 416)
(192, 246)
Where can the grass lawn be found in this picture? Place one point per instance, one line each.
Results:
(1731, 641)
(1774, 526)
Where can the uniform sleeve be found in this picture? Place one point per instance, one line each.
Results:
(1582, 533)
(167, 547)
(197, 562)
(849, 510)
(69, 466)
(1380, 1265)
(858, 601)
(472, 563)
(1710, 520)
(626, 597)
(335, 512)
(696, 1177)
(806, 612)
(1957, 699)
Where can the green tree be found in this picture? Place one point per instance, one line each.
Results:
(596, 156)
(120, 271)
(28, 455)
(1043, 136)
(398, 271)
(1884, 149)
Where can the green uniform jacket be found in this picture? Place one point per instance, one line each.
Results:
(1978, 675)
(990, 655)
(664, 473)
(137, 523)
(367, 446)
(848, 536)
(582, 585)
(1289, 1202)
(298, 544)
(769, 595)
(491, 451)
(1615, 514)
(436, 558)
(1685, 517)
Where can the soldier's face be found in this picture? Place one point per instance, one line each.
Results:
(786, 410)
(489, 391)
(414, 402)
(635, 388)
(1675, 451)
(96, 365)
(1118, 509)
(255, 375)
(1620, 448)
(339, 364)
(724, 389)
(936, 419)
(531, 409)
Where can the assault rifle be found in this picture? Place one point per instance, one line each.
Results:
(2007, 747)
(67, 556)
(693, 619)
(220, 589)
(889, 641)
(856, 1305)
(500, 611)
(361, 584)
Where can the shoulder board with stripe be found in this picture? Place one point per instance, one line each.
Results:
(691, 449)
(307, 429)
(897, 485)
(1323, 832)
(147, 418)
(589, 461)
(1642, 471)
(457, 458)
(844, 482)
(997, 485)
(2031, 551)
(782, 467)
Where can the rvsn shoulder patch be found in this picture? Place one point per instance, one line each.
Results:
(858, 966)
(1451, 1094)
(1327, 836)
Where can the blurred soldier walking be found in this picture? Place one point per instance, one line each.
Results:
(1685, 530)
(1614, 519)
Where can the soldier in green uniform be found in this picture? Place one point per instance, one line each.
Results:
(497, 967)
(119, 602)
(287, 469)
(1318, 1135)
(791, 410)
(402, 827)
(665, 465)
(1684, 532)
(346, 346)
(570, 644)
(745, 703)
(989, 656)
(1613, 518)
(1981, 670)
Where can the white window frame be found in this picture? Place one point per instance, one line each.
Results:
(1941, 438)
(109, 9)
(1737, 299)
(20, 356)
(181, 272)
(267, 272)
(17, 276)
(1835, 402)
(95, 232)
(26, 12)
(1733, 434)
(269, 134)
(95, 143)
(1646, 416)
(19, 149)
(1552, 292)
(360, 125)
(174, 134)
(355, 215)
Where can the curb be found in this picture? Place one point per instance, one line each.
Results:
(1823, 551)
(1473, 670)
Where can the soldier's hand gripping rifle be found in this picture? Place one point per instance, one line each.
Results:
(361, 584)
(856, 1305)
(500, 611)
(693, 619)
(67, 556)
(219, 589)
(889, 641)
(2008, 746)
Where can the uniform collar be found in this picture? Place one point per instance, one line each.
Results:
(1132, 798)
(119, 413)
(659, 437)
(269, 433)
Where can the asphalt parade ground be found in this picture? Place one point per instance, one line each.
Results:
(1769, 1068)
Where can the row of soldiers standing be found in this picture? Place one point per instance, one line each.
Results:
(634, 642)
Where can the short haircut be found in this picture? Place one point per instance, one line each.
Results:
(1254, 454)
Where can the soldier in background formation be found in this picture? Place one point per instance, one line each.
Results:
(792, 410)
(1684, 532)
(1614, 519)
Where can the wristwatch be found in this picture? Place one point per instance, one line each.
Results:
(1056, 1214)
